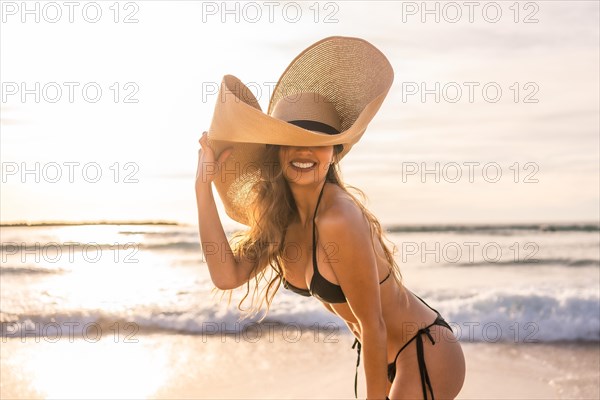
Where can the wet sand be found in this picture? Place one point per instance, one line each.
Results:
(274, 364)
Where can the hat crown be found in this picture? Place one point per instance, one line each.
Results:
(308, 106)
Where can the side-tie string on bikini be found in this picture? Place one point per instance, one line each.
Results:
(392, 366)
(357, 345)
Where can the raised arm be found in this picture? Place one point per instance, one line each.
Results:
(225, 270)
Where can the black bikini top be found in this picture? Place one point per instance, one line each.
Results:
(320, 287)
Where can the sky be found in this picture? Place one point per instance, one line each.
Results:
(102, 105)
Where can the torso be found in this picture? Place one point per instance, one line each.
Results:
(399, 306)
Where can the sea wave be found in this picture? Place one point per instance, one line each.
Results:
(28, 269)
(57, 248)
(525, 316)
(533, 262)
(497, 229)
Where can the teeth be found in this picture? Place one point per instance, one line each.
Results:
(302, 164)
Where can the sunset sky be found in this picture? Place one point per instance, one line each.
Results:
(163, 71)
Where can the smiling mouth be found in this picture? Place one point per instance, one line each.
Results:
(303, 165)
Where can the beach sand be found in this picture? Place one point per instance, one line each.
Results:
(268, 364)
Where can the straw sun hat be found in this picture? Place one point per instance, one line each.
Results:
(326, 96)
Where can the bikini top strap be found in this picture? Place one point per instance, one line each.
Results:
(314, 242)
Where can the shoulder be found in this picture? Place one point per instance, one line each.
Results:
(341, 214)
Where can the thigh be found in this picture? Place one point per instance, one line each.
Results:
(445, 365)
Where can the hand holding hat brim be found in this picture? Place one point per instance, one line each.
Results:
(209, 168)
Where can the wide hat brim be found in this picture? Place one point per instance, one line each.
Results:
(349, 72)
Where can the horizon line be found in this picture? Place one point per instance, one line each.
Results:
(394, 227)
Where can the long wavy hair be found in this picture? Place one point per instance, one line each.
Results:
(272, 211)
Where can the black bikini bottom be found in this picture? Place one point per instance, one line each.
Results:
(420, 354)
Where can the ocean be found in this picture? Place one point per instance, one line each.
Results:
(525, 283)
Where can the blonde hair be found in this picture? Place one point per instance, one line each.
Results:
(273, 209)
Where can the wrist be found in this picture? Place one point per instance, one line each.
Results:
(203, 185)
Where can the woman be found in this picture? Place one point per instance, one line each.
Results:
(294, 197)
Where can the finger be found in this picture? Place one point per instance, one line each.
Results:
(225, 154)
